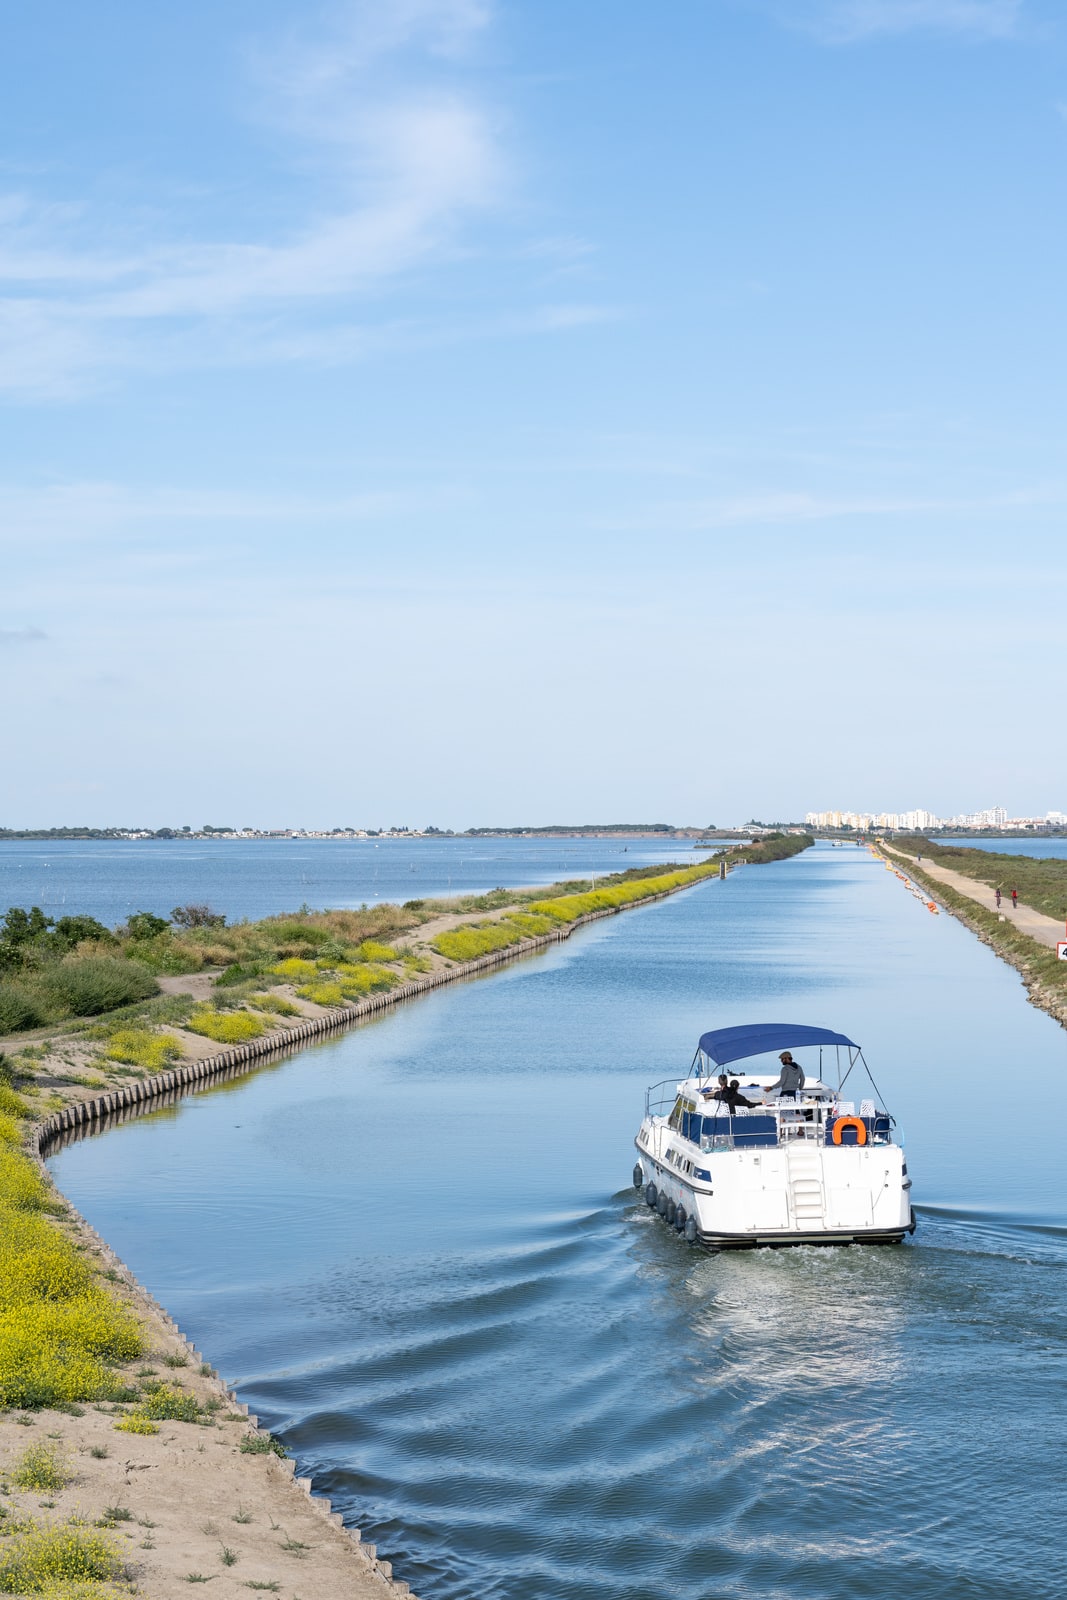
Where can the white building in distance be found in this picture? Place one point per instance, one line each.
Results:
(994, 818)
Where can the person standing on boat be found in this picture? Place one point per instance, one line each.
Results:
(790, 1079)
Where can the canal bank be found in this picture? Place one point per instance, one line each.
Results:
(1025, 939)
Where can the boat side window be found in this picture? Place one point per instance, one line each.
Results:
(680, 1118)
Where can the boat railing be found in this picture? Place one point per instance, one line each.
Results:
(661, 1099)
(777, 1123)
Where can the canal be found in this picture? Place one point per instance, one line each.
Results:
(414, 1251)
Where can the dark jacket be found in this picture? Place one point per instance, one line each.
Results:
(732, 1098)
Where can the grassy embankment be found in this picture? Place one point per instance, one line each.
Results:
(774, 847)
(63, 1338)
(541, 915)
(1042, 884)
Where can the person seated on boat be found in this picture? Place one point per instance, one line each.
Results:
(790, 1079)
(716, 1094)
(732, 1097)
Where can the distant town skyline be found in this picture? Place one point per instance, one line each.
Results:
(994, 817)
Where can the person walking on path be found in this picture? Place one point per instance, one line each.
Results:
(997, 892)
(1014, 899)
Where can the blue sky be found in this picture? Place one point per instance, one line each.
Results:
(470, 411)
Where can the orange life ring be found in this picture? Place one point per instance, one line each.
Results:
(850, 1122)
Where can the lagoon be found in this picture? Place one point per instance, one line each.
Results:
(252, 878)
(415, 1252)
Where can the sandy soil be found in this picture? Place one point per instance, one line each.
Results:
(190, 1500)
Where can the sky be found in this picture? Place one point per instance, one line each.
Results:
(472, 412)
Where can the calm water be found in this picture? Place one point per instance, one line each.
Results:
(108, 879)
(414, 1251)
(1035, 845)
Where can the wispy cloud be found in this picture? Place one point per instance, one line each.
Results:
(845, 21)
(89, 512)
(771, 508)
(16, 636)
(400, 153)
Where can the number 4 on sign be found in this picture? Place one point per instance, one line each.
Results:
(1061, 950)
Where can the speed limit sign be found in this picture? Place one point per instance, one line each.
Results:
(1061, 949)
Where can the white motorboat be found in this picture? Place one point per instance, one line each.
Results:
(749, 1166)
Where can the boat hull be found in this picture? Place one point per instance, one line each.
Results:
(802, 1192)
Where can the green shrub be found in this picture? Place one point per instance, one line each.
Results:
(138, 1047)
(12, 1104)
(238, 972)
(322, 994)
(145, 925)
(261, 1444)
(19, 1008)
(58, 1329)
(277, 1003)
(227, 1027)
(197, 916)
(84, 986)
(371, 950)
(165, 953)
(414, 963)
(137, 1422)
(41, 1467)
(294, 970)
(41, 1557)
(289, 932)
(164, 1403)
(21, 1185)
(364, 979)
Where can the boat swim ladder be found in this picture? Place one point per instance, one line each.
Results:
(804, 1164)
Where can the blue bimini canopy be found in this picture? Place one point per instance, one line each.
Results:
(724, 1045)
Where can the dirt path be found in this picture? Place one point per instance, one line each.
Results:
(1045, 930)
